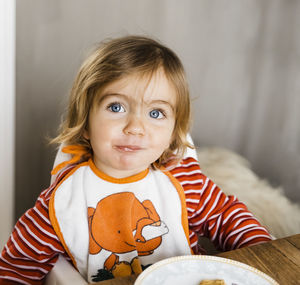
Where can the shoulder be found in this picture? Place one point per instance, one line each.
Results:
(191, 178)
(188, 167)
(46, 194)
(189, 175)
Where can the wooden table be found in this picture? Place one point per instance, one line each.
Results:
(280, 259)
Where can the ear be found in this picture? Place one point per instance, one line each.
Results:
(86, 134)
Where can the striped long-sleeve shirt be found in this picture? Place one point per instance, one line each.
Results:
(33, 246)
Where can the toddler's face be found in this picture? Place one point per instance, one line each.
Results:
(132, 125)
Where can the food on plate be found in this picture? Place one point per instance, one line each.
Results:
(212, 282)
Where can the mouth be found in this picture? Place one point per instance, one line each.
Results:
(128, 148)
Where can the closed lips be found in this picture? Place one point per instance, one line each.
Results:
(128, 148)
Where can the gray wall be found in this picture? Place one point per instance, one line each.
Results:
(242, 59)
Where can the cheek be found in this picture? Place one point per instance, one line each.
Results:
(101, 128)
(171, 130)
(165, 137)
(171, 134)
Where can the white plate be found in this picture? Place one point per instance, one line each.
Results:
(191, 269)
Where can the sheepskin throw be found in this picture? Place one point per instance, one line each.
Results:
(232, 173)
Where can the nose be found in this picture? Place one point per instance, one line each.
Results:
(134, 126)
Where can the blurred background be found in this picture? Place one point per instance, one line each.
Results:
(242, 59)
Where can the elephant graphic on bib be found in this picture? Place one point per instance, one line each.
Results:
(120, 224)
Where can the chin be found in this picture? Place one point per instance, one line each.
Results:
(132, 170)
(129, 165)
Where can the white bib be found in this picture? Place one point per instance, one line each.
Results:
(114, 227)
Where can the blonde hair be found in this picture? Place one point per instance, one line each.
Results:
(113, 60)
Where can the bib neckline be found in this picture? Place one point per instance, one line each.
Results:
(134, 178)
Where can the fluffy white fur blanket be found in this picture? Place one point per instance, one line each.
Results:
(232, 173)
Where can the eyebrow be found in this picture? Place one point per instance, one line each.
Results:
(158, 101)
(104, 96)
(162, 102)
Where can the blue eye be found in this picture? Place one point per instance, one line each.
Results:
(156, 114)
(116, 108)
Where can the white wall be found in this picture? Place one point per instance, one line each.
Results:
(7, 116)
(241, 57)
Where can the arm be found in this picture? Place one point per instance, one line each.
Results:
(223, 219)
(32, 248)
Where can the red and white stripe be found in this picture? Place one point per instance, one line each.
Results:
(33, 247)
(225, 220)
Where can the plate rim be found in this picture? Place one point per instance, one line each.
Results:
(173, 259)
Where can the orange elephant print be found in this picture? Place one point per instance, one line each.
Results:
(120, 224)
